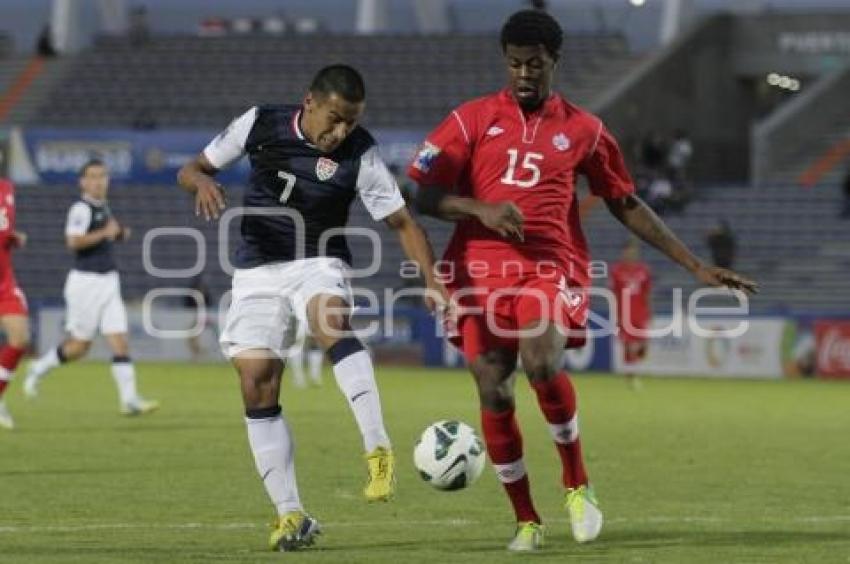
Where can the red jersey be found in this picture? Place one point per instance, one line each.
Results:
(7, 235)
(631, 282)
(490, 150)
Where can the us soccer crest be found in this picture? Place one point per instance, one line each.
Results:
(561, 142)
(325, 168)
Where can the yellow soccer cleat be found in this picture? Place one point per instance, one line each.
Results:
(529, 537)
(139, 407)
(381, 484)
(585, 516)
(292, 531)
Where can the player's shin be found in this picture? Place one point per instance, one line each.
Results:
(557, 399)
(274, 455)
(355, 377)
(504, 445)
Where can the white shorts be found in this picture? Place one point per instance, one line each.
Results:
(268, 304)
(93, 302)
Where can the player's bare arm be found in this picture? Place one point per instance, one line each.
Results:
(416, 247)
(196, 177)
(112, 231)
(505, 218)
(639, 218)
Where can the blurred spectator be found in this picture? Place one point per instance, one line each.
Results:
(721, 244)
(653, 153)
(44, 45)
(845, 212)
(659, 194)
(138, 30)
(678, 157)
(199, 304)
(537, 4)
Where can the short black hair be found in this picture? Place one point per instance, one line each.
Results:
(533, 27)
(339, 79)
(94, 161)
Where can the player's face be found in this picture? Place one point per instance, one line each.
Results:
(95, 182)
(530, 72)
(329, 119)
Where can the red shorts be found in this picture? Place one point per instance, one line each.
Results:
(494, 311)
(13, 302)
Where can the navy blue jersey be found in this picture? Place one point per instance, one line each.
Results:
(303, 192)
(85, 216)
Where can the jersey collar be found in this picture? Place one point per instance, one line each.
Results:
(542, 110)
(296, 128)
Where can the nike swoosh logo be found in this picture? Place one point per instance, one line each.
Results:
(354, 398)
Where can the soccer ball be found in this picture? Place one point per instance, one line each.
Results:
(449, 455)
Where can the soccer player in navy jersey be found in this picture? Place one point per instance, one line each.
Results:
(309, 161)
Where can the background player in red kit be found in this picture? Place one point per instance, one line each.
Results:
(631, 282)
(13, 304)
(503, 167)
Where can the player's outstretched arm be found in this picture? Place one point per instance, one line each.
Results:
(639, 218)
(196, 177)
(505, 218)
(417, 248)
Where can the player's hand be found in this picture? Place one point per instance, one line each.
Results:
(716, 276)
(439, 302)
(505, 218)
(19, 239)
(112, 229)
(124, 234)
(209, 199)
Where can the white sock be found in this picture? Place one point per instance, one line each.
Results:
(46, 362)
(274, 454)
(296, 364)
(355, 376)
(124, 374)
(314, 361)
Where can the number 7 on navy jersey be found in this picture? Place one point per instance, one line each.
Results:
(289, 180)
(528, 163)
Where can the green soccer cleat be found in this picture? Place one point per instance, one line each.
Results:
(381, 484)
(529, 537)
(585, 516)
(292, 531)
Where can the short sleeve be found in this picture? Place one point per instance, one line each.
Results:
(377, 187)
(79, 219)
(229, 146)
(445, 153)
(605, 168)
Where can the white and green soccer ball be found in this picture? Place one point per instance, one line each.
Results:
(449, 455)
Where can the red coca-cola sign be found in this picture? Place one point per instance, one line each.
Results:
(833, 348)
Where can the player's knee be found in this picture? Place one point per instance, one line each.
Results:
(19, 339)
(74, 349)
(494, 391)
(539, 368)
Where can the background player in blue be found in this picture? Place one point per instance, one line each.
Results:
(93, 292)
(308, 162)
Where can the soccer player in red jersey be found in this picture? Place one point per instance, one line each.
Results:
(14, 315)
(631, 283)
(503, 167)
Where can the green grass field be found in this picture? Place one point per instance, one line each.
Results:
(687, 471)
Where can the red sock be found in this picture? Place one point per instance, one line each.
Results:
(9, 359)
(557, 400)
(504, 445)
